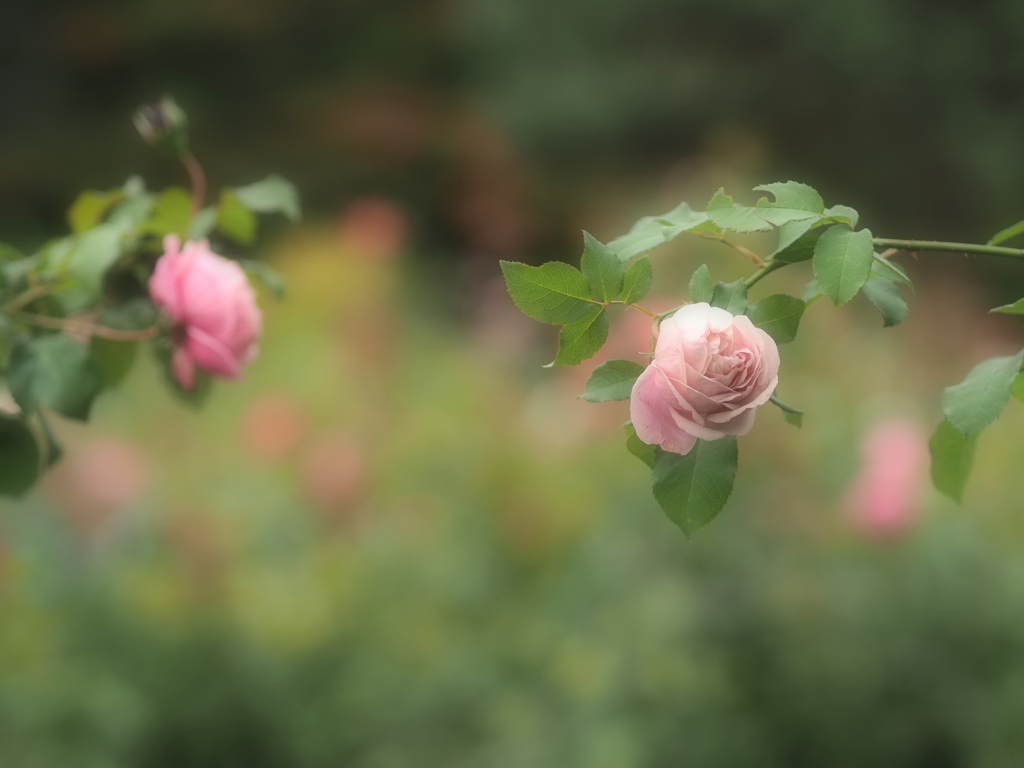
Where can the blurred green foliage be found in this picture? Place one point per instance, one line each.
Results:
(421, 551)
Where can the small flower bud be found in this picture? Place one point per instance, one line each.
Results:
(164, 125)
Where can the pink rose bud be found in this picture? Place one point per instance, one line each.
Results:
(884, 500)
(213, 306)
(711, 371)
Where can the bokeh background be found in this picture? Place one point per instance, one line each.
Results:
(400, 541)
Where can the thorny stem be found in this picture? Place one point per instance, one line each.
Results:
(936, 245)
(766, 269)
(198, 180)
(739, 248)
(73, 325)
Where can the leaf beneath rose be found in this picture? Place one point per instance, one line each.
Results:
(693, 489)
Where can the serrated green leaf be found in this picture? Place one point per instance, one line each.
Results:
(90, 207)
(739, 218)
(793, 194)
(887, 299)
(842, 262)
(272, 195)
(701, 286)
(637, 280)
(778, 316)
(234, 219)
(732, 297)
(1017, 308)
(19, 457)
(94, 252)
(612, 380)
(1007, 234)
(977, 401)
(952, 459)
(843, 212)
(796, 242)
(55, 371)
(891, 271)
(552, 293)
(692, 489)
(636, 446)
(652, 231)
(582, 339)
(602, 269)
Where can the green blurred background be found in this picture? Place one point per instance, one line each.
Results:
(400, 542)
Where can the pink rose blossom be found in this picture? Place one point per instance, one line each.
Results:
(884, 500)
(213, 306)
(711, 371)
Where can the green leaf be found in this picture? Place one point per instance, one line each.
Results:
(94, 253)
(1017, 308)
(701, 287)
(131, 315)
(637, 280)
(842, 262)
(172, 214)
(602, 269)
(692, 489)
(843, 213)
(114, 359)
(761, 218)
(203, 223)
(952, 459)
(552, 293)
(636, 446)
(732, 297)
(133, 212)
(887, 299)
(793, 194)
(796, 242)
(19, 456)
(90, 207)
(891, 271)
(612, 380)
(234, 219)
(582, 339)
(54, 450)
(272, 195)
(778, 316)
(1007, 234)
(977, 401)
(55, 371)
(652, 231)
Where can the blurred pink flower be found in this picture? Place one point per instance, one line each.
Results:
(213, 306)
(273, 425)
(334, 473)
(374, 227)
(100, 478)
(884, 499)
